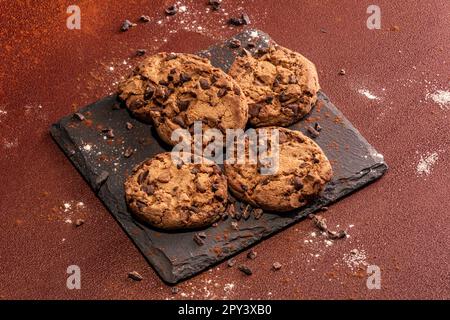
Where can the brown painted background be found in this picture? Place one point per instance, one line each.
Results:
(400, 223)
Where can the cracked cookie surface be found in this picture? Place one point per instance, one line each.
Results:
(171, 91)
(303, 171)
(170, 195)
(280, 86)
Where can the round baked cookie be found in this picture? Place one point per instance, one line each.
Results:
(174, 90)
(170, 195)
(303, 170)
(280, 86)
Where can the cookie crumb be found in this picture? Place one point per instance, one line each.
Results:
(231, 263)
(341, 72)
(141, 52)
(126, 25)
(144, 18)
(246, 270)
(172, 10)
(79, 222)
(276, 266)
(252, 254)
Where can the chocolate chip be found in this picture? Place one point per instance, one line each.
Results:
(254, 109)
(244, 187)
(149, 189)
(215, 4)
(235, 43)
(222, 92)
(237, 90)
(252, 254)
(128, 152)
(257, 213)
(283, 97)
(245, 269)
(198, 240)
(144, 18)
(129, 125)
(184, 77)
(79, 116)
(231, 263)
(246, 19)
(317, 127)
(276, 266)
(163, 83)
(79, 222)
(219, 196)
(149, 92)
(215, 187)
(204, 84)
(171, 10)
(140, 204)
(135, 276)
(236, 21)
(182, 105)
(161, 93)
(141, 52)
(179, 121)
(313, 132)
(269, 100)
(298, 185)
(126, 25)
(142, 177)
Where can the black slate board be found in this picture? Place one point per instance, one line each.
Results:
(175, 256)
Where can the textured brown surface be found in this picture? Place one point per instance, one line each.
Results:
(401, 222)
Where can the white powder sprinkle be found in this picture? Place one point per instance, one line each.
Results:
(426, 163)
(368, 94)
(355, 259)
(441, 98)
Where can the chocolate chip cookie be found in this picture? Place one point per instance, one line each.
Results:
(174, 90)
(280, 85)
(302, 172)
(177, 195)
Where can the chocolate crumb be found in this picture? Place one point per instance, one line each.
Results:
(79, 222)
(245, 269)
(135, 276)
(215, 4)
(313, 132)
(276, 266)
(231, 263)
(79, 116)
(170, 11)
(236, 22)
(252, 254)
(140, 52)
(317, 127)
(126, 25)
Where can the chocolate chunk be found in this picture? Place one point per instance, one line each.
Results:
(198, 240)
(237, 90)
(141, 52)
(149, 189)
(298, 185)
(254, 109)
(215, 4)
(222, 92)
(160, 93)
(204, 84)
(170, 11)
(128, 152)
(236, 21)
(141, 204)
(79, 222)
(245, 269)
(179, 121)
(317, 127)
(231, 263)
(276, 266)
(79, 116)
(269, 100)
(144, 18)
(252, 254)
(163, 83)
(257, 213)
(149, 92)
(135, 276)
(313, 132)
(142, 177)
(244, 187)
(101, 178)
(184, 77)
(283, 97)
(219, 196)
(126, 25)
(245, 19)
(215, 187)
(129, 125)
(182, 105)
(235, 43)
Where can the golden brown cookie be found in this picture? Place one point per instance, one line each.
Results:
(174, 90)
(168, 195)
(280, 85)
(303, 171)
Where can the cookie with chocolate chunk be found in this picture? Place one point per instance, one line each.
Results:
(174, 90)
(280, 85)
(301, 172)
(172, 194)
